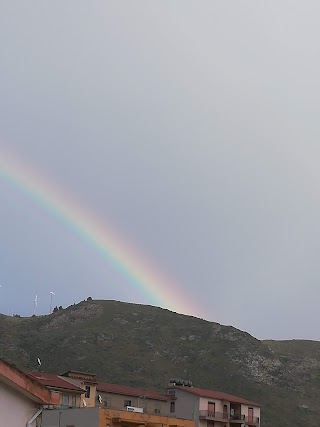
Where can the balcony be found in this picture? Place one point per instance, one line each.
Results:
(237, 418)
(213, 416)
(252, 421)
(242, 419)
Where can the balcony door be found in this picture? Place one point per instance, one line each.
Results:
(250, 415)
(225, 412)
(211, 409)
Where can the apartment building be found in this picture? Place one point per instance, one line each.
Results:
(117, 396)
(209, 408)
(70, 395)
(87, 382)
(22, 398)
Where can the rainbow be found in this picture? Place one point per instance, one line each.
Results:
(137, 271)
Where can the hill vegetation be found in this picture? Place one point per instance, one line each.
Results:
(145, 346)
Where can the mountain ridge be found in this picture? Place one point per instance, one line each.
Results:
(143, 345)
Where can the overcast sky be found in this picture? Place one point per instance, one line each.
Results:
(190, 127)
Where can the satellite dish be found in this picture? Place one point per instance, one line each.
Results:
(39, 361)
(99, 398)
(84, 403)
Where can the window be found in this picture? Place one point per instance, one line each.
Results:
(87, 389)
(211, 409)
(172, 407)
(127, 403)
(65, 400)
(157, 409)
(74, 401)
(225, 412)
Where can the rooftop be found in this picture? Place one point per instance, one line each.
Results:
(55, 382)
(26, 385)
(78, 375)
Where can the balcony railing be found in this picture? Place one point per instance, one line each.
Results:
(245, 419)
(237, 417)
(252, 420)
(214, 415)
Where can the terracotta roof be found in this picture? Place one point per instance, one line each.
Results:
(215, 395)
(130, 391)
(28, 386)
(54, 381)
(82, 376)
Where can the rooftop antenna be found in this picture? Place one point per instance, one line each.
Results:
(35, 305)
(51, 298)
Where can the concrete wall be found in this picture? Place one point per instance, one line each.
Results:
(150, 406)
(15, 409)
(219, 404)
(186, 406)
(79, 417)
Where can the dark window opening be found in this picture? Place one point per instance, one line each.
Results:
(87, 394)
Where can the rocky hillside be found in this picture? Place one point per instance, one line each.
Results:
(143, 345)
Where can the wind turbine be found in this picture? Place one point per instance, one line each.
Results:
(35, 305)
(51, 298)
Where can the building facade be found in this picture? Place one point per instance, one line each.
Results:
(87, 382)
(22, 398)
(210, 408)
(70, 395)
(121, 397)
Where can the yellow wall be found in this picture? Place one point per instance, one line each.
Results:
(90, 401)
(114, 418)
(70, 394)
